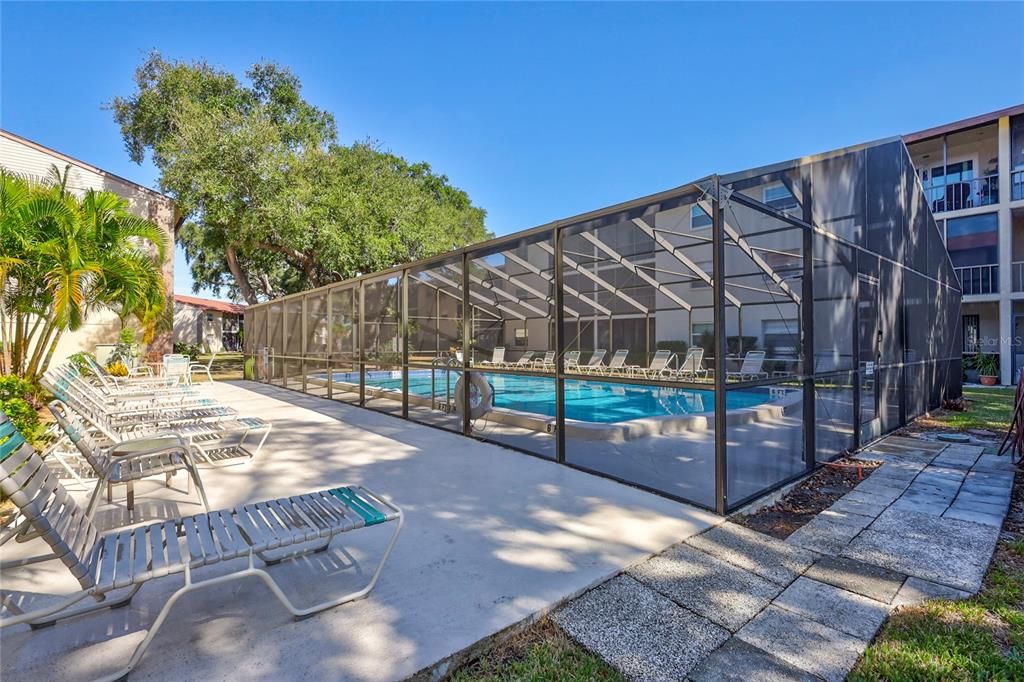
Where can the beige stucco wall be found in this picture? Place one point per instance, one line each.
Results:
(34, 162)
(191, 325)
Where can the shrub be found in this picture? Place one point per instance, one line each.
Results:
(117, 369)
(190, 349)
(16, 400)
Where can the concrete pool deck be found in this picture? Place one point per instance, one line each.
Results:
(492, 536)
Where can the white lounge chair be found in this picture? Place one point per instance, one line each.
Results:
(752, 368)
(497, 358)
(572, 361)
(660, 366)
(547, 363)
(134, 381)
(594, 365)
(693, 365)
(111, 568)
(617, 363)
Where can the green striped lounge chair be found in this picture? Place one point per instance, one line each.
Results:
(111, 568)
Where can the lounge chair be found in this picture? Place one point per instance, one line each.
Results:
(194, 367)
(497, 358)
(617, 363)
(220, 435)
(693, 365)
(133, 392)
(547, 363)
(524, 361)
(572, 361)
(752, 367)
(594, 365)
(119, 563)
(127, 461)
(660, 366)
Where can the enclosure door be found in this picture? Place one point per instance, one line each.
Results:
(870, 355)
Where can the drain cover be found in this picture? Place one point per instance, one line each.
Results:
(954, 438)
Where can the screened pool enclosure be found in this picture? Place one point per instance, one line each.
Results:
(709, 343)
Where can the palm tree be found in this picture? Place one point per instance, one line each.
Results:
(69, 256)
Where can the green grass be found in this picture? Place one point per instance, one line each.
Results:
(981, 638)
(226, 366)
(541, 653)
(991, 408)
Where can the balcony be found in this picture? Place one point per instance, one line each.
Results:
(1017, 185)
(955, 196)
(980, 279)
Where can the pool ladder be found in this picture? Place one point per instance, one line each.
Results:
(447, 364)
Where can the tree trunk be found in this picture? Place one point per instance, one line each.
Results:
(231, 256)
(32, 371)
(49, 354)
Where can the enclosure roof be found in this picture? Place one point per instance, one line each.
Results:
(694, 186)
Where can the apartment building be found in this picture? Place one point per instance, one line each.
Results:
(973, 176)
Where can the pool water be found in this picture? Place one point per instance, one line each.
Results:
(590, 401)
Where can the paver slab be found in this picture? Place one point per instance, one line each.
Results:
(835, 607)
(915, 590)
(858, 505)
(766, 556)
(827, 535)
(947, 563)
(645, 635)
(911, 524)
(874, 582)
(994, 519)
(722, 592)
(816, 648)
(737, 661)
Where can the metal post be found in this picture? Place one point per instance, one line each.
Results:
(807, 322)
(559, 347)
(330, 342)
(467, 331)
(303, 342)
(403, 321)
(856, 348)
(718, 281)
(360, 340)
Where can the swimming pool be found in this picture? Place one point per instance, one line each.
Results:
(588, 401)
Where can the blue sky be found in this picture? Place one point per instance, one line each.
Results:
(539, 111)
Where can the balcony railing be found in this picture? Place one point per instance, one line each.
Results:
(979, 279)
(954, 196)
(1017, 185)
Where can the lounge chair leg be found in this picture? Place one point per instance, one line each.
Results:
(130, 485)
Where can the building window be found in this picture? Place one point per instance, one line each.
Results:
(781, 337)
(699, 218)
(522, 337)
(780, 198)
(973, 241)
(209, 317)
(972, 333)
(699, 329)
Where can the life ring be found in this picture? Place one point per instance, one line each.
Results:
(481, 395)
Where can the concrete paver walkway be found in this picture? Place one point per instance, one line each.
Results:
(733, 604)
